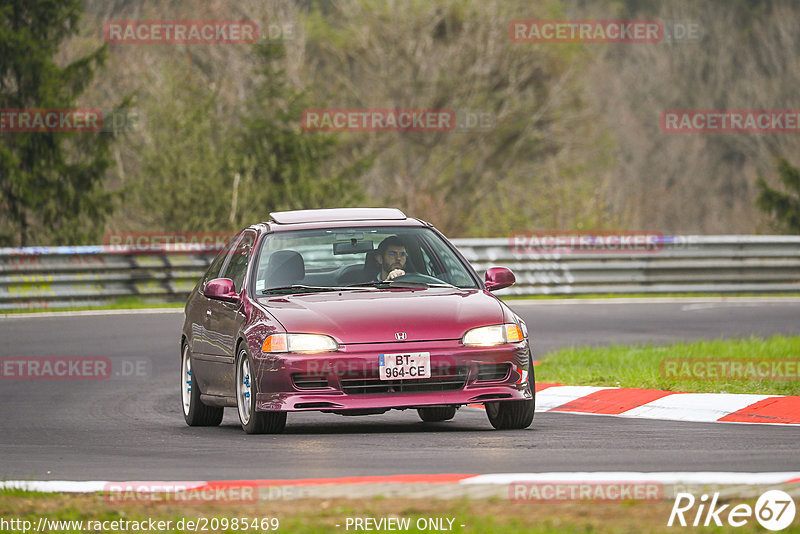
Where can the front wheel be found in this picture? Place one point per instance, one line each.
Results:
(194, 411)
(253, 422)
(517, 414)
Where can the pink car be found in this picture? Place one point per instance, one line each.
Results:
(353, 312)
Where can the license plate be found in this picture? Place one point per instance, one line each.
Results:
(405, 366)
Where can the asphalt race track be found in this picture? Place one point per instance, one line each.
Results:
(131, 427)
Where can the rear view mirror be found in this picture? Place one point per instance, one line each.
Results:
(498, 278)
(352, 247)
(221, 289)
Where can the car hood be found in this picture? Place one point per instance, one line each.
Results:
(375, 316)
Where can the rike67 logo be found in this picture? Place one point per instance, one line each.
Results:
(774, 510)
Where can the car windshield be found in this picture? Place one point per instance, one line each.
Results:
(314, 260)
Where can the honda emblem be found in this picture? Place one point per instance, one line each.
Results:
(400, 336)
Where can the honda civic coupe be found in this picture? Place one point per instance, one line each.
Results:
(351, 312)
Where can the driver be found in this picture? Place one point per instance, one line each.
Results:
(392, 257)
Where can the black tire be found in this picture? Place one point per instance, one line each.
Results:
(435, 414)
(253, 422)
(517, 414)
(194, 411)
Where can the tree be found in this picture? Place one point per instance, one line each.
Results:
(537, 161)
(283, 167)
(181, 183)
(51, 182)
(742, 57)
(785, 207)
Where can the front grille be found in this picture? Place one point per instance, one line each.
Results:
(309, 381)
(493, 372)
(442, 379)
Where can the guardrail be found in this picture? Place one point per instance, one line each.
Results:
(45, 277)
(678, 264)
(48, 277)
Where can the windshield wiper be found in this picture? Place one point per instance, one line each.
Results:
(297, 288)
(369, 284)
(400, 283)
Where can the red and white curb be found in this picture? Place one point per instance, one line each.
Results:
(442, 486)
(669, 405)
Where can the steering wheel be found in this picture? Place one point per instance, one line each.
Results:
(417, 277)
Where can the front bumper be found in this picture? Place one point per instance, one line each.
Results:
(348, 378)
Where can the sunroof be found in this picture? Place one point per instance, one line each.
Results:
(337, 214)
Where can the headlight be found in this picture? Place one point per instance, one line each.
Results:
(486, 336)
(306, 343)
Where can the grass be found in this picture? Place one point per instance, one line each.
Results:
(134, 302)
(307, 516)
(641, 366)
(122, 303)
(642, 295)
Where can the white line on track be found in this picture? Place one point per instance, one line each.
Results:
(709, 477)
(666, 478)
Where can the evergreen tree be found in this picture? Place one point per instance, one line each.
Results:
(785, 207)
(51, 182)
(183, 184)
(282, 166)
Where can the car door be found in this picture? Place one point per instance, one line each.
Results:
(198, 313)
(224, 319)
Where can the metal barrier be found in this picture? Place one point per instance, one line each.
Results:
(49, 277)
(46, 277)
(676, 264)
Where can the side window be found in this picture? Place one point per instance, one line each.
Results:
(429, 268)
(240, 259)
(445, 265)
(218, 262)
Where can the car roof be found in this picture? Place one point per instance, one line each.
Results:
(339, 218)
(337, 214)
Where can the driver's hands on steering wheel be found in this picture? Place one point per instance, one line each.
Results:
(394, 274)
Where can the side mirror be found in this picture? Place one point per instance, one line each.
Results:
(221, 289)
(498, 278)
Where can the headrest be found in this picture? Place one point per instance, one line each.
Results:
(285, 267)
(371, 265)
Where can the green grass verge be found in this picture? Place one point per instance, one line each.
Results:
(642, 296)
(133, 303)
(122, 303)
(641, 366)
(312, 516)
(125, 303)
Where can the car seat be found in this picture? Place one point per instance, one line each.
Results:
(285, 268)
